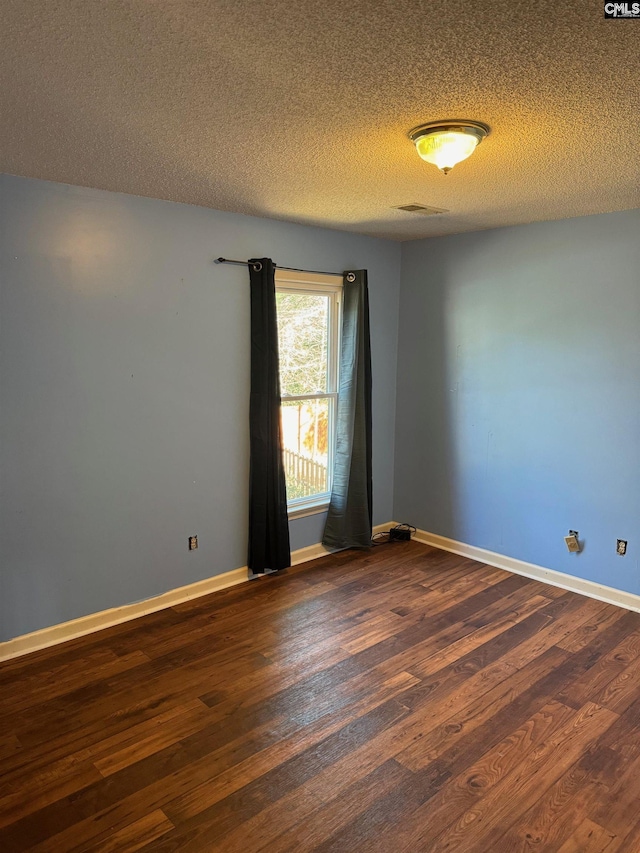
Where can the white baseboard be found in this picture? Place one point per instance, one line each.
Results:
(55, 634)
(628, 600)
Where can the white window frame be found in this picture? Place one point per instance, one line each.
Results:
(326, 285)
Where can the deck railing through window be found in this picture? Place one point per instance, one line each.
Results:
(305, 476)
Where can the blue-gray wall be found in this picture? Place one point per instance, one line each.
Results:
(124, 392)
(519, 392)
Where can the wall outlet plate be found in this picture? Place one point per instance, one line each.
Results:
(621, 547)
(193, 543)
(572, 543)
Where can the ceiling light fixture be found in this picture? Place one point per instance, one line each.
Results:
(445, 143)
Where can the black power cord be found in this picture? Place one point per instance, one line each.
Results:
(399, 533)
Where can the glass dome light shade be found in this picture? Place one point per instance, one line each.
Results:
(445, 144)
(446, 148)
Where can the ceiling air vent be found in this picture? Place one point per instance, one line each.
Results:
(422, 209)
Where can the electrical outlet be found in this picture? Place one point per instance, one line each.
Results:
(572, 543)
(621, 547)
(193, 543)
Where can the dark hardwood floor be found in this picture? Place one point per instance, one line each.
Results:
(399, 700)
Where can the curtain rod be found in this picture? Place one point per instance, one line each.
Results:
(258, 266)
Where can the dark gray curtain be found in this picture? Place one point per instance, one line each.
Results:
(350, 510)
(268, 521)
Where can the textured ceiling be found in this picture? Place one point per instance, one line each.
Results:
(299, 110)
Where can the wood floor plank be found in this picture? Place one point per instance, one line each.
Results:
(476, 638)
(396, 805)
(191, 719)
(137, 835)
(589, 838)
(9, 746)
(326, 743)
(605, 616)
(14, 805)
(378, 628)
(619, 810)
(257, 832)
(399, 699)
(319, 825)
(91, 704)
(454, 740)
(60, 688)
(212, 810)
(516, 792)
(130, 635)
(609, 679)
(461, 793)
(622, 690)
(102, 836)
(565, 806)
(25, 681)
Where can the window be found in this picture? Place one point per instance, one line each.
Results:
(308, 306)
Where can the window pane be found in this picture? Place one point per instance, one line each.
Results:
(305, 436)
(303, 325)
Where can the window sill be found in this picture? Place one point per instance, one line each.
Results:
(303, 511)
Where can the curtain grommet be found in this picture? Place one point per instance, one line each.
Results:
(257, 266)
(351, 276)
